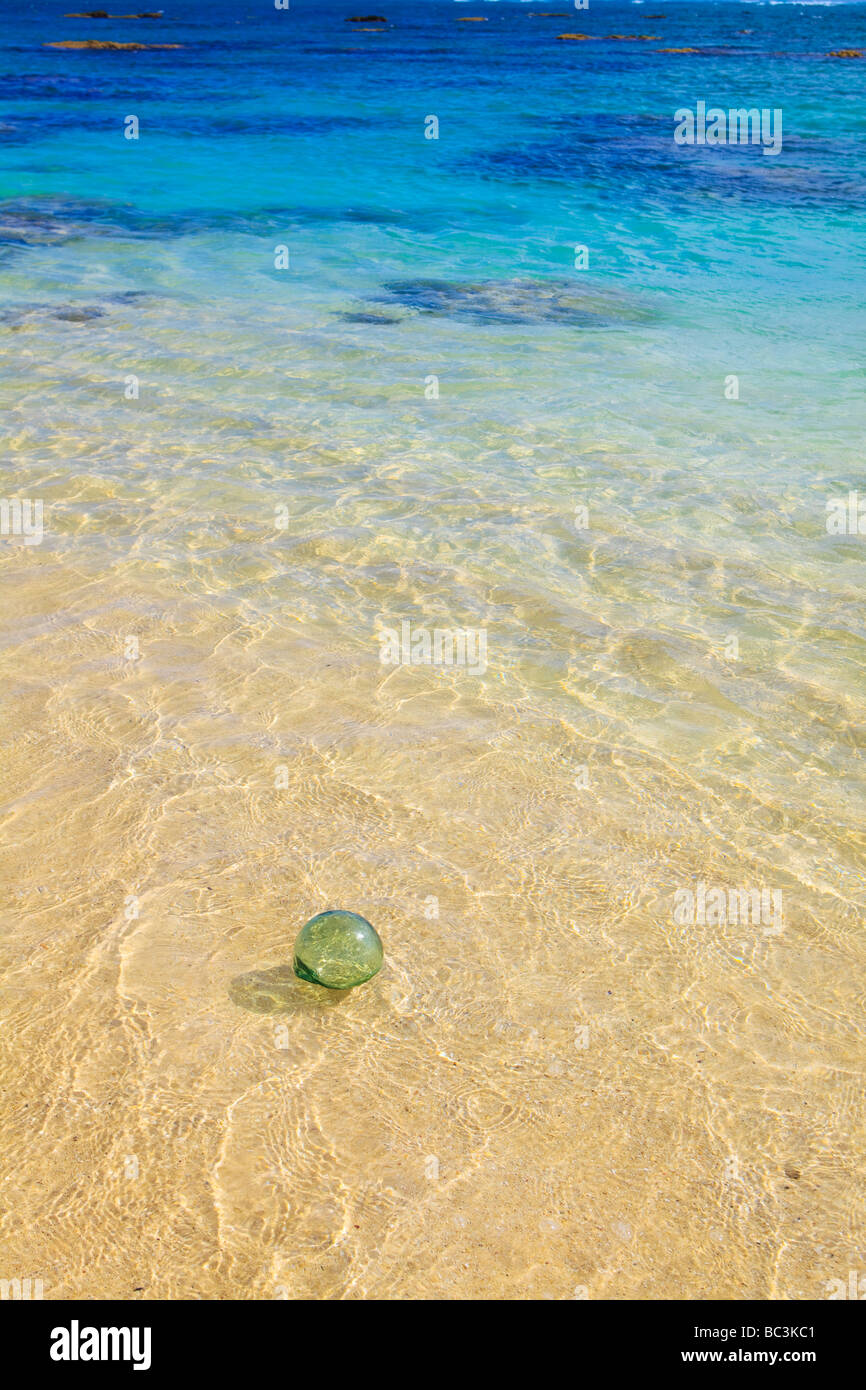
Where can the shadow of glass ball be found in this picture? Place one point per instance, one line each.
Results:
(279, 991)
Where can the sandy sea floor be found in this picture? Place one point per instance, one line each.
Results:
(552, 1089)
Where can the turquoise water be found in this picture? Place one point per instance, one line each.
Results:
(290, 127)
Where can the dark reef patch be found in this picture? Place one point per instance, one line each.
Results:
(634, 157)
(517, 301)
(16, 315)
(67, 313)
(361, 316)
(47, 221)
(89, 115)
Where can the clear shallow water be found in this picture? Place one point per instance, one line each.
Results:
(256, 763)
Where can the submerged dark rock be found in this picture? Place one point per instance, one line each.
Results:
(631, 156)
(361, 316)
(518, 301)
(44, 220)
(18, 315)
(67, 313)
(126, 296)
(77, 313)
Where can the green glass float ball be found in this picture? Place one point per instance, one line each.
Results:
(338, 950)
